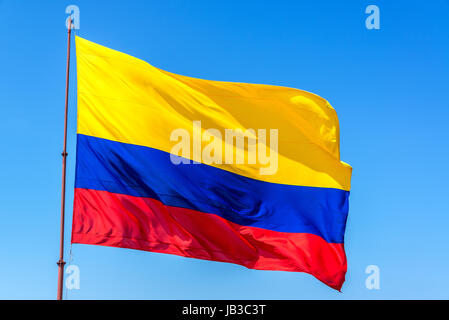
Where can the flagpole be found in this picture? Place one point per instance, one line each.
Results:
(61, 261)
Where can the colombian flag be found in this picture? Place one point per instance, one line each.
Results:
(129, 193)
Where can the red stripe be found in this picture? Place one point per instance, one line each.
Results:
(116, 220)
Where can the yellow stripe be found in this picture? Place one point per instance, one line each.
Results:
(125, 99)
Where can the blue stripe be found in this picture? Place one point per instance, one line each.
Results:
(146, 172)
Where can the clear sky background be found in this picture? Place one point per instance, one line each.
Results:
(390, 89)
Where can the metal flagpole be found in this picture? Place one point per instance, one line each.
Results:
(61, 261)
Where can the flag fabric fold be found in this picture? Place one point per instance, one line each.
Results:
(131, 191)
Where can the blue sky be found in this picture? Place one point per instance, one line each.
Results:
(390, 89)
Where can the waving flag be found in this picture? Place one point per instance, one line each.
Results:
(233, 172)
